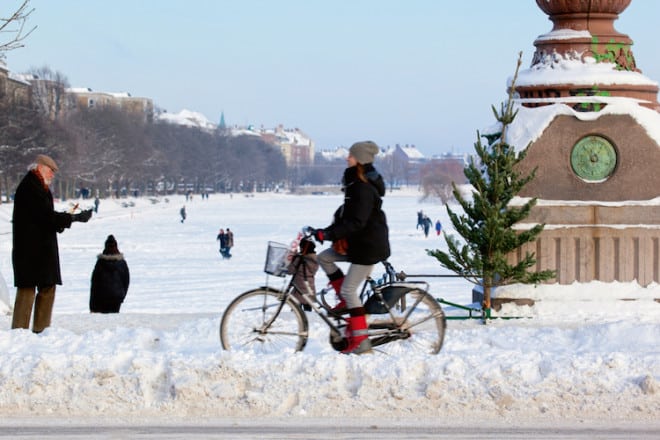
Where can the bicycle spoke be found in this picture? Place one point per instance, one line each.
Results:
(258, 320)
(419, 327)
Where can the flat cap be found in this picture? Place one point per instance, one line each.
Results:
(42, 159)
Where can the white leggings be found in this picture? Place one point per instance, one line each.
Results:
(353, 279)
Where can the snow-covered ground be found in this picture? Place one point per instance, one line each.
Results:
(582, 354)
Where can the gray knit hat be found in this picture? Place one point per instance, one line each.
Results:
(364, 152)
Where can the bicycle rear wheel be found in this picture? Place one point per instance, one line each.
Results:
(416, 323)
(259, 321)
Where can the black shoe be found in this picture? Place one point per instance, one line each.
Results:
(339, 311)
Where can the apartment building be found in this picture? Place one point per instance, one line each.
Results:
(13, 88)
(88, 98)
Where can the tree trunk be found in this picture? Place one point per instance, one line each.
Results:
(486, 303)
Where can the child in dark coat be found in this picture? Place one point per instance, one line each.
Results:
(304, 272)
(110, 280)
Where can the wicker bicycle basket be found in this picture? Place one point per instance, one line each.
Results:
(277, 259)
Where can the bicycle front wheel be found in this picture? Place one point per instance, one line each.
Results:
(415, 323)
(259, 320)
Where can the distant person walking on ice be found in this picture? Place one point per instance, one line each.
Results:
(182, 211)
(438, 227)
(230, 242)
(222, 238)
(427, 225)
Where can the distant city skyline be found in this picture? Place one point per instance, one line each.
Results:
(421, 73)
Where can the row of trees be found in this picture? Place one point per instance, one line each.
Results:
(109, 151)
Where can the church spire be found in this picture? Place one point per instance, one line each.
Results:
(222, 126)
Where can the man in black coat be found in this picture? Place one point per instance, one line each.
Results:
(35, 255)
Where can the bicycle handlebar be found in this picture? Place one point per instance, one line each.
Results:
(307, 231)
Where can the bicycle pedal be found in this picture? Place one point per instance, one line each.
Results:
(338, 341)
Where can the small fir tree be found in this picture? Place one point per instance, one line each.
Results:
(486, 225)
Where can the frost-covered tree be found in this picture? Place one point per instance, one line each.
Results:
(486, 224)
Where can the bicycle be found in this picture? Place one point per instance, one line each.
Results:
(402, 316)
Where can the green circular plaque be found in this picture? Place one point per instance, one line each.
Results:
(593, 158)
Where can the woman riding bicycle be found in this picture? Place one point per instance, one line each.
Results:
(361, 222)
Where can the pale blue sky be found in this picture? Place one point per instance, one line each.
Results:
(422, 72)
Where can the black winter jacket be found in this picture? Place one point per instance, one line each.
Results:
(361, 219)
(110, 280)
(35, 225)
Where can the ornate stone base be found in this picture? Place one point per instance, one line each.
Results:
(589, 242)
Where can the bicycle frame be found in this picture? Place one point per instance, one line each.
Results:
(310, 297)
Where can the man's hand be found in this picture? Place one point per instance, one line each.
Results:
(82, 216)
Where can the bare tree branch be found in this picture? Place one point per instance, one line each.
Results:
(15, 28)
